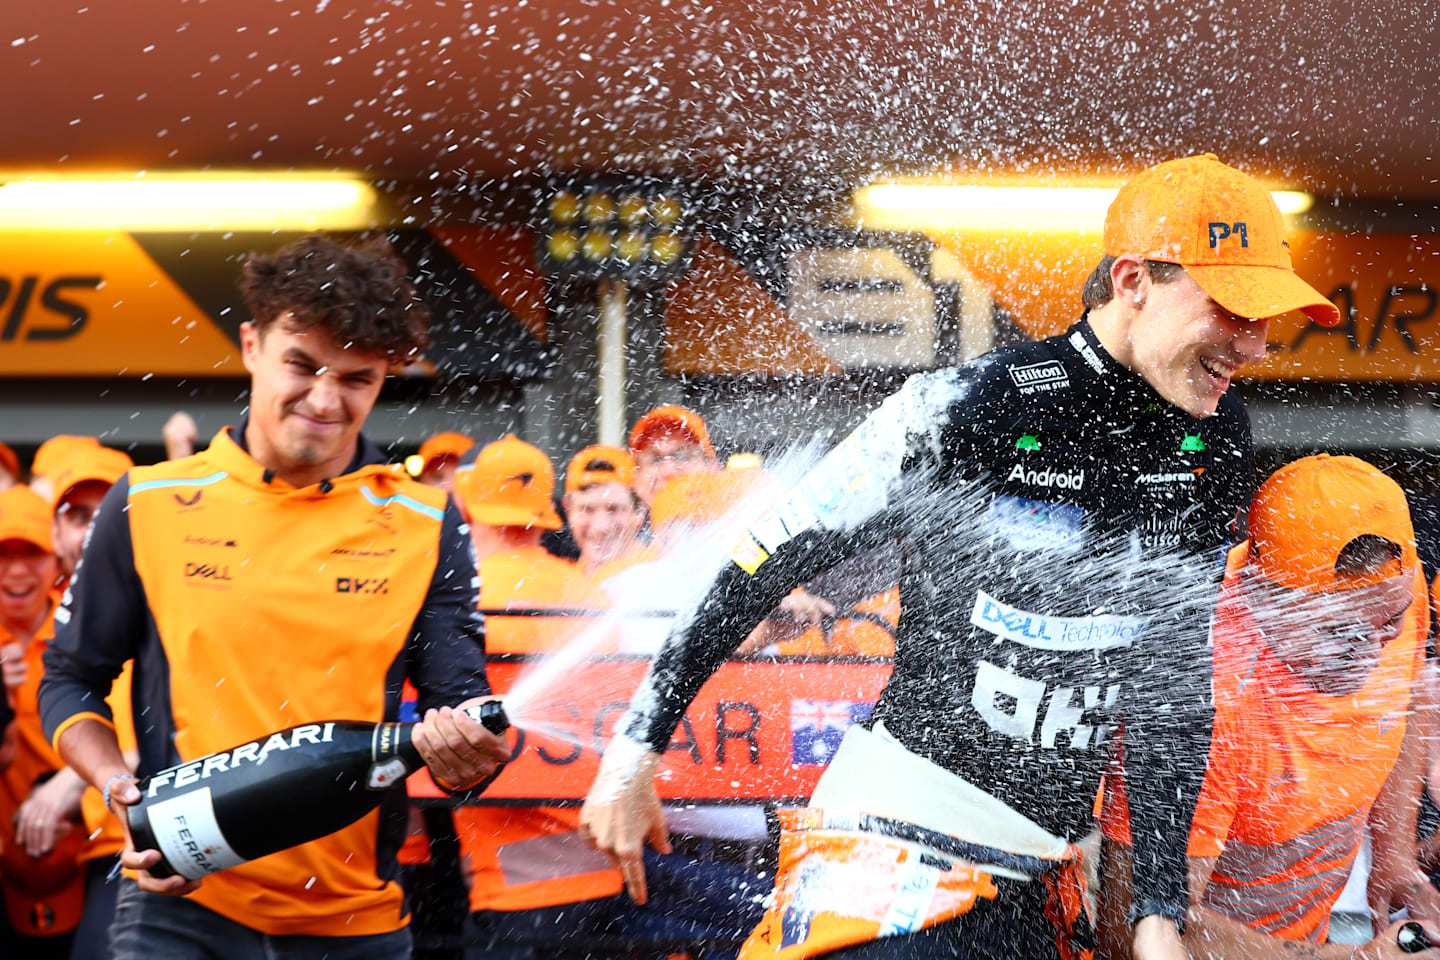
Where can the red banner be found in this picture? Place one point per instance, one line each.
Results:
(760, 729)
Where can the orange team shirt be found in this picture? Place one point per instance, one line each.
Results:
(522, 858)
(1292, 773)
(254, 606)
(35, 756)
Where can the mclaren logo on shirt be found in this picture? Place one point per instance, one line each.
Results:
(1064, 480)
(363, 553)
(1185, 476)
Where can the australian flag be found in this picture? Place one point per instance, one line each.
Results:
(818, 726)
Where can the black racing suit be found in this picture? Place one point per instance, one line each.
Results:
(1062, 530)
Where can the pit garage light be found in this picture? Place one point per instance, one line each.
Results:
(940, 207)
(605, 226)
(194, 202)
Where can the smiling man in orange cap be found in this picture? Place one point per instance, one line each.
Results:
(80, 483)
(668, 442)
(603, 510)
(41, 881)
(1319, 639)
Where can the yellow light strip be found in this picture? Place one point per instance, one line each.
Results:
(942, 207)
(188, 203)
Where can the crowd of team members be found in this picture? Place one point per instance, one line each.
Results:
(620, 506)
(1321, 692)
(1307, 736)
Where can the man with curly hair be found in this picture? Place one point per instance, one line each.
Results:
(286, 575)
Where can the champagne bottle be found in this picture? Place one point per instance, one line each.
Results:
(277, 792)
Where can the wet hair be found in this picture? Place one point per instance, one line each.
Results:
(1100, 290)
(1365, 557)
(358, 294)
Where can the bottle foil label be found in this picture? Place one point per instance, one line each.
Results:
(189, 837)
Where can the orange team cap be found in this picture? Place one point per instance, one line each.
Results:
(701, 498)
(24, 515)
(510, 485)
(9, 462)
(1305, 514)
(84, 464)
(600, 464)
(55, 451)
(1223, 227)
(446, 444)
(670, 419)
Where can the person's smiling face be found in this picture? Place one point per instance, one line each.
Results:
(27, 573)
(1188, 347)
(310, 395)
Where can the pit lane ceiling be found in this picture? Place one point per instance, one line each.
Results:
(1338, 96)
(159, 304)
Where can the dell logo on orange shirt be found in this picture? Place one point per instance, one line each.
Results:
(207, 571)
(1219, 231)
(367, 585)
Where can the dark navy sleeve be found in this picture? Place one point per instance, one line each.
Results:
(100, 622)
(447, 645)
(837, 510)
(1168, 723)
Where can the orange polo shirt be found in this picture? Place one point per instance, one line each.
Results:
(249, 605)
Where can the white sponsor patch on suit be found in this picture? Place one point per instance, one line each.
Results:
(1046, 632)
(1039, 377)
(1078, 342)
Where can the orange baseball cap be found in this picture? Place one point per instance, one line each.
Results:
(1223, 227)
(24, 515)
(600, 464)
(53, 452)
(509, 485)
(44, 896)
(9, 462)
(446, 444)
(1306, 513)
(84, 464)
(673, 419)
